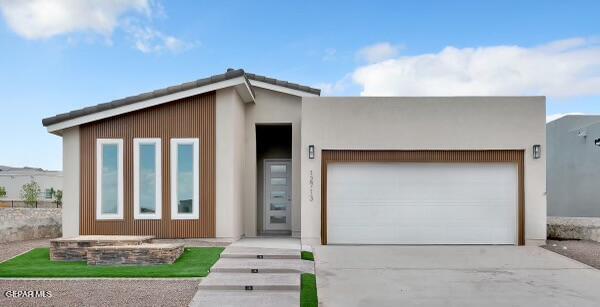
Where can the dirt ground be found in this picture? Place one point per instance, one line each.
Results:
(587, 252)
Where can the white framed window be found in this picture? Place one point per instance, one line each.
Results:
(185, 179)
(109, 179)
(147, 179)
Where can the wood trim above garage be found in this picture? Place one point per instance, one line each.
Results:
(426, 156)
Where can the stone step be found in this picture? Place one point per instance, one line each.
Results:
(236, 298)
(260, 253)
(244, 265)
(249, 281)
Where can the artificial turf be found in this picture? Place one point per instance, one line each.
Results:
(194, 262)
(307, 256)
(308, 290)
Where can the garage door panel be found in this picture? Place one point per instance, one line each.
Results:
(422, 203)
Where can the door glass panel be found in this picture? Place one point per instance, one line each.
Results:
(278, 207)
(147, 177)
(185, 177)
(278, 195)
(110, 178)
(277, 219)
(278, 181)
(278, 168)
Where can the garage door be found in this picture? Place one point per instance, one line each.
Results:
(422, 203)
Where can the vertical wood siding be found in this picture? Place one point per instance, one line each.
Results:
(192, 117)
(447, 156)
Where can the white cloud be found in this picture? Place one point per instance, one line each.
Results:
(552, 117)
(561, 69)
(338, 88)
(41, 19)
(149, 40)
(378, 52)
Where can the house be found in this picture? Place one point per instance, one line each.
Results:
(238, 154)
(573, 166)
(12, 180)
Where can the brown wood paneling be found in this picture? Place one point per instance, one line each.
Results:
(192, 117)
(447, 156)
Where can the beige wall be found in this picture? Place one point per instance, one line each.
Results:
(403, 123)
(230, 164)
(270, 108)
(70, 209)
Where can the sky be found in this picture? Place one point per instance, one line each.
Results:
(61, 55)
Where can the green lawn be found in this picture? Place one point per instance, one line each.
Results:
(307, 255)
(195, 262)
(308, 290)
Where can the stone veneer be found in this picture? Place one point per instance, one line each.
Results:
(17, 224)
(144, 254)
(573, 228)
(75, 249)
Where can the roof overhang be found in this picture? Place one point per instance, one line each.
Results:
(240, 84)
(282, 89)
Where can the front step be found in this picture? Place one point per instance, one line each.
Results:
(224, 298)
(243, 265)
(259, 253)
(249, 281)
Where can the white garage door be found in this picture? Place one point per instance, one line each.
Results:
(422, 203)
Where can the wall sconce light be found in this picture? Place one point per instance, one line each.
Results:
(311, 151)
(537, 151)
(597, 142)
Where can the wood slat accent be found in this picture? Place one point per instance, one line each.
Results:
(192, 117)
(446, 156)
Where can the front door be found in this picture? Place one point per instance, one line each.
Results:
(278, 195)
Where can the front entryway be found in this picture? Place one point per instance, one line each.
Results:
(274, 179)
(277, 195)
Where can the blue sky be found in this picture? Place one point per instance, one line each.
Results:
(62, 56)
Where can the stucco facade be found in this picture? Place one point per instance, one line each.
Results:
(573, 166)
(424, 123)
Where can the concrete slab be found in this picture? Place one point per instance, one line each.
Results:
(256, 252)
(452, 276)
(224, 298)
(240, 281)
(269, 242)
(234, 265)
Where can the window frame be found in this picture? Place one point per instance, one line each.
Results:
(195, 142)
(157, 215)
(99, 159)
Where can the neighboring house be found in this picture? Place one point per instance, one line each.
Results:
(573, 166)
(239, 154)
(13, 179)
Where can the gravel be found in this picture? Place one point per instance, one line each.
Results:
(93, 292)
(587, 252)
(102, 292)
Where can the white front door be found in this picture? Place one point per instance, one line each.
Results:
(422, 203)
(278, 195)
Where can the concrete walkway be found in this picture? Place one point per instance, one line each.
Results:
(255, 272)
(452, 276)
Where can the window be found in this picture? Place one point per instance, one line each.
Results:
(109, 179)
(185, 181)
(48, 193)
(147, 189)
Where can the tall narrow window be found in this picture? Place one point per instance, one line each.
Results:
(109, 179)
(185, 181)
(147, 192)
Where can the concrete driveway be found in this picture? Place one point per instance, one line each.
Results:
(452, 276)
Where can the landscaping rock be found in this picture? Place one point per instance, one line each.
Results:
(573, 228)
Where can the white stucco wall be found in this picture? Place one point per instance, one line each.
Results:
(403, 123)
(270, 108)
(13, 182)
(70, 211)
(230, 145)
